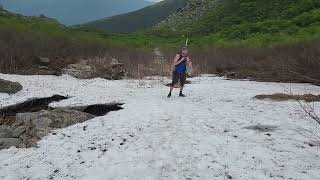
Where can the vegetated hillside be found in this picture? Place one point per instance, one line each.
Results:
(140, 19)
(72, 12)
(249, 22)
(284, 60)
(23, 39)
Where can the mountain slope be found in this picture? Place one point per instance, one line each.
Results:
(254, 21)
(140, 19)
(74, 11)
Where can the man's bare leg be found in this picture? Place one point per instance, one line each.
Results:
(181, 94)
(171, 88)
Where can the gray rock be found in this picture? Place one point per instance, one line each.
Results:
(6, 143)
(5, 132)
(62, 118)
(39, 124)
(40, 132)
(80, 70)
(18, 131)
(42, 122)
(31, 127)
(9, 87)
(25, 118)
(44, 61)
(115, 71)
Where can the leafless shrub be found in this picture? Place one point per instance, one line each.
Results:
(262, 64)
(308, 108)
(18, 50)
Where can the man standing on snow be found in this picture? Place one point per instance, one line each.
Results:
(179, 74)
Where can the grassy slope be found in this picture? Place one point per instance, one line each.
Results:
(247, 22)
(252, 23)
(139, 19)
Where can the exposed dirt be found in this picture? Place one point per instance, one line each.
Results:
(286, 97)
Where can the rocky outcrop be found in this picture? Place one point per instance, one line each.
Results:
(24, 124)
(93, 68)
(6, 143)
(43, 61)
(81, 70)
(9, 87)
(31, 127)
(115, 71)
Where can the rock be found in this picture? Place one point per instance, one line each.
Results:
(31, 127)
(6, 143)
(44, 61)
(18, 131)
(80, 70)
(9, 87)
(39, 132)
(42, 122)
(115, 71)
(25, 119)
(62, 118)
(114, 61)
(5, 132)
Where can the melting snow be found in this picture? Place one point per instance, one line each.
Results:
(202, 136)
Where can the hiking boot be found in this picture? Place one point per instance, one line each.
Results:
(182, 95)
(169, 95)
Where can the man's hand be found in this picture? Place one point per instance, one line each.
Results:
(189, 62)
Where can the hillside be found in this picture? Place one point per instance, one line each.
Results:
(74, 11)
(140, 19)
(23, 39)
(250, 22)
(268, 48)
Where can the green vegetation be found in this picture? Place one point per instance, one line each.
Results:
(266, 40)
(138, 20)
(240, 23)
(248, 23)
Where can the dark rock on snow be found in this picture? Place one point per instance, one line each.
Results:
(6, 143)
(31, 105)
(9, 87)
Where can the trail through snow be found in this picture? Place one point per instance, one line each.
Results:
(202, 136)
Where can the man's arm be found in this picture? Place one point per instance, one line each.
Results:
(176, 60)
(189, 62)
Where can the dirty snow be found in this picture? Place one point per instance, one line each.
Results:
(202, 136)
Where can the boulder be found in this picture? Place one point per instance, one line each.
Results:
(62, 118)
(5, 132)
(18, 131)
(115, 71)
(6, 143)
(81, 70)
(44, 61)
(9, 87)
(39, 124)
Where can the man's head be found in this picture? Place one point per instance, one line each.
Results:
(184, 51)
